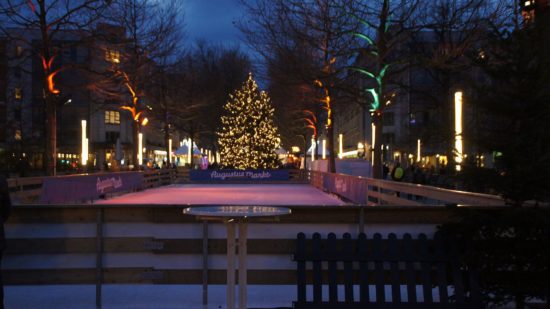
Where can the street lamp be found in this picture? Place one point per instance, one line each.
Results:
(313, 149)
(84, 150)
(458, 129)
(140, 149)
(170, 150)
(324, 148)
(340, 145)
(189, 151)
(418, 153)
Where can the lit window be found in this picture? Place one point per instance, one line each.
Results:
(112, 117)
(112, 55)
(18, 93)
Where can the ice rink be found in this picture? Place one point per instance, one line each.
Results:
(229, 194)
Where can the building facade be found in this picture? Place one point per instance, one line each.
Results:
(84, 62)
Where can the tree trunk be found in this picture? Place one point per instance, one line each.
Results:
(135, 131)
(191, 140)
(51, 136)
(376, 147)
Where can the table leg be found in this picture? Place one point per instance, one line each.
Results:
(242, 264)
(230, 297)
(205, 263)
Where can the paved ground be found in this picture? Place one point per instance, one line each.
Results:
(229, 194)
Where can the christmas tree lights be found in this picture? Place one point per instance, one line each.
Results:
(248, 137)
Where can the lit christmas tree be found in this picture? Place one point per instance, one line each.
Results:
(248, 138)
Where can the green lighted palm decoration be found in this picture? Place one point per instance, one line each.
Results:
(377, 48)
(377, 91)
(379, 73)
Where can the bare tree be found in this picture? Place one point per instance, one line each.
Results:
(49, 19)
(296, 102)
(386, 24)
(152, 37)
(317, 27)
(210, 72)
(453, 34)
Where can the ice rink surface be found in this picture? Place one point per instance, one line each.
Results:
(229, 194)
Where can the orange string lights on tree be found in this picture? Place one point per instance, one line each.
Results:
(47, 65)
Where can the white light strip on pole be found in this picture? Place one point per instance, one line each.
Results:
(341, 146)
(189, 151)
(170, 150)
(313, 149)
(140, 149)
(458, 129)
(84, 150)
(324, 149)
(418, 153)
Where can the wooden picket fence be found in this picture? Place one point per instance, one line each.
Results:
(412, 262)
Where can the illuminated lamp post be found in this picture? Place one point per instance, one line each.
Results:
(170, 150)
(324, 148)
(340, 145)
(189, 151)
(313, 149)
(418, 151)
(84, 150)
(458, 129)
(140, 147)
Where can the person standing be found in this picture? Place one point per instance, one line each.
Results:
(397, 172)
(5, 210)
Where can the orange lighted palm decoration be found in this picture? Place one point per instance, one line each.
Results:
(47, 65)
(326, 101)
(311, 122)
(134, 107)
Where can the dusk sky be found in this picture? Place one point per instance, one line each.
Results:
(212, 20)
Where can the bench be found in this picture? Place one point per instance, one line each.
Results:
(383, 273)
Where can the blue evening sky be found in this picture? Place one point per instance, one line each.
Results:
(212, 20)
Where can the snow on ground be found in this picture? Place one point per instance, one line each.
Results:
(229, 194)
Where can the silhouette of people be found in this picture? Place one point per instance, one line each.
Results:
(5, 209)
(204, 162)
(397, 173)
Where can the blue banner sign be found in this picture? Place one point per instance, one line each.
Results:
(78, 188)
(239, 175)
